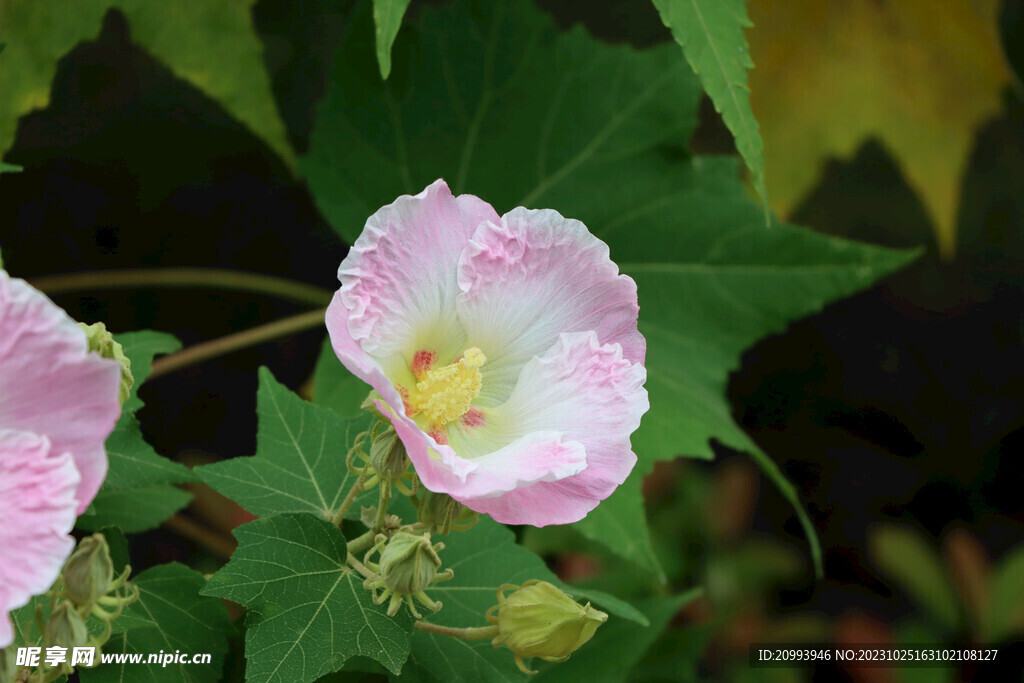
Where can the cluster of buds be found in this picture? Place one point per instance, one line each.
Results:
(536, 619)
(539, 620)
(408, 565)
(86, 588)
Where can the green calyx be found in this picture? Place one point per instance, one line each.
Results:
(8, 666)
(102, 342)
(441, 513)
(387, 454)
(539, 620)
(409, 564)
(89, 572)
(66, 627)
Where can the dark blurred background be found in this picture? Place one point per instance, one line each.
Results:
(904, 404)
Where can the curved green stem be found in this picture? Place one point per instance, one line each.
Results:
(472, 633)
(339, 516)
(212, 278)
(382, 503)
(233, 342)
(361, 543)
(359, 566)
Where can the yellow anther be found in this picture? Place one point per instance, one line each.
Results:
(445, 393)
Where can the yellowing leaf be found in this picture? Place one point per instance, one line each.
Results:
(209, 43)
(917, 74)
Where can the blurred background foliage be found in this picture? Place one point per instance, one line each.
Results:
(897, 413)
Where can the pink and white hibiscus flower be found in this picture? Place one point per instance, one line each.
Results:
(505, 351)
(58, 404)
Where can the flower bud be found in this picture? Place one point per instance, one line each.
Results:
(66, 628)
(387, 453)
(102, 342)
(89, 571)
(439, 512)
(409, 563)
(8, 666)
(539, 620)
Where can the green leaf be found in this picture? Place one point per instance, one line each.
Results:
(621, 524)
(139, 491)
(213, 46)
(9, 168)
(711, 35)
(299, 464)
(387, 16)
(141, 348)
(1006, 606)
(909, 561)
(482, 106)
(618, 645)
(307, 612)
(484, 558)
(184, 621)
(508, 109)
(135, 509)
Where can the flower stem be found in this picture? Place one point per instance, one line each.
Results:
(339, 516)
(359, 566)
(212, 278)
(471, 633)
(233, 342)
(361, 543)
(382, 503)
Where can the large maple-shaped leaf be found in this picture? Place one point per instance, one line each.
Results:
(308, 613)
(506, 108)
(210, 43)
(918, 75)
(299, 464)
(492, 98)
(139, 492)
(711, 35)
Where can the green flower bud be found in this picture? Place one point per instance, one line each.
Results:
(89, 571)
(66, 628)
(409, 563)
(8, 668)
(387, 453)
(539, 620)
(439, 512)
(102, 342)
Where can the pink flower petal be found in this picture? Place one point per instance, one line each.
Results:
(533, 457)
(532, 277)
(38, 488)
(399, 280)
(52, 385)
(590, 395)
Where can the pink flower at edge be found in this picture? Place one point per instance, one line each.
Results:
(505, 351)
(58, 405)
